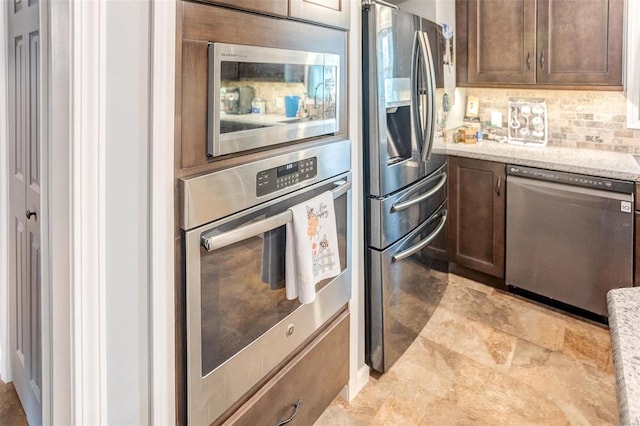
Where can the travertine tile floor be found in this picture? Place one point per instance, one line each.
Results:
(491, 358)
(485, 358)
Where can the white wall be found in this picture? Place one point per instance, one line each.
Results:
(127, 116)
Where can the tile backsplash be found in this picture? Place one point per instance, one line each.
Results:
(577, 119)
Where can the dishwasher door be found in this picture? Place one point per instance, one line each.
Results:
(568, 243)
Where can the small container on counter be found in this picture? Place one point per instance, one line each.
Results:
(467, 135)
(258, 106)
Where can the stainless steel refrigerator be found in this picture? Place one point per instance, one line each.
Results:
(405, 183)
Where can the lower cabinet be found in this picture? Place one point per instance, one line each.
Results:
(304, 387)
(476, 233)
(636, 225)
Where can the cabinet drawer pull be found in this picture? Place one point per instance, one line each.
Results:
(498, 185)
(542, 60)
(528, 60)
(295, 411)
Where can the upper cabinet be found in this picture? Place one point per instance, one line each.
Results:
(333, 13)
(540, 42)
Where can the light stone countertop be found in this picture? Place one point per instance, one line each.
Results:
(573, 160)
(624, 324)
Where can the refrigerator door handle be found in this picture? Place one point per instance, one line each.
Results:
(397, 257)
(415, 87)
(429, 113)
(406, 204)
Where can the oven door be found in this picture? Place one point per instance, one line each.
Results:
(240, 325)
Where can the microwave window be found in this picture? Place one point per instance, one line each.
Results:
(279, 91)
(266, 96)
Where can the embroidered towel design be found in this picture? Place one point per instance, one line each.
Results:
(311, 247)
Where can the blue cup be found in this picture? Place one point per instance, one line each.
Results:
(291, 105)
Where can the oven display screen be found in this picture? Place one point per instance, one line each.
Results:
(287, 169)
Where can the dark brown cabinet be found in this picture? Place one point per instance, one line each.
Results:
(476, 230)
(540, 42)
(333, 13)
(636, 260)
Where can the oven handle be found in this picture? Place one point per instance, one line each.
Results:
(406, 204)
(212, 242)
(422, 244)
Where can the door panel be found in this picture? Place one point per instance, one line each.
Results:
(24, 205)
(501, 41)
(580, 42)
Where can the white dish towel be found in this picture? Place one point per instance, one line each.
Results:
(311, 247)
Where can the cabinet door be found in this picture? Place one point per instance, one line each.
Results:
(580, 42)
(334, 13)
(269, 7)
(501, 41)
(477, 215)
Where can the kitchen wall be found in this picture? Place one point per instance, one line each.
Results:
(576, 119)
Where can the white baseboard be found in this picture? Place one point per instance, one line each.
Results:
(356, 384)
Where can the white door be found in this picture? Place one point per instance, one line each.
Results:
(24, 204)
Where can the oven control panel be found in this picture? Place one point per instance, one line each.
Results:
(277, 178)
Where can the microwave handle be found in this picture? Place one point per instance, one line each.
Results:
(430, 112)
(211, 241)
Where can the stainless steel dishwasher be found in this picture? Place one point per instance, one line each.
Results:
(569, 237)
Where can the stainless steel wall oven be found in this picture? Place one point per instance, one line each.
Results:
(239, 323)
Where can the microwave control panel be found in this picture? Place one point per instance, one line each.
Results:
(277, 178)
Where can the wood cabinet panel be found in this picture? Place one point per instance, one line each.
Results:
(268, 7)
(501, 41)
(636, 263)
(580, 42)
(477, 215)
(194, 104)
(543, 43)
(314, 377)
(328, 12)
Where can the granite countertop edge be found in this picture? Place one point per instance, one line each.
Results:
(624, 316)
(614, 165)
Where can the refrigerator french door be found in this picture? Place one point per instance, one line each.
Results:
(405, 183)
(400, 75)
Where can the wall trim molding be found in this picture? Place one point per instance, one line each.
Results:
(87, 150)
(5, 370)
(162, 321)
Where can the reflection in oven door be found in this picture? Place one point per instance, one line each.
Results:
(240, 323)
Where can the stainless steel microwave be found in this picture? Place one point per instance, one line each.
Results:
(259, 96)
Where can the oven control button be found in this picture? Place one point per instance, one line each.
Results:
(290, 330)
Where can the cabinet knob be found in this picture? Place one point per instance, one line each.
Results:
(29, 213)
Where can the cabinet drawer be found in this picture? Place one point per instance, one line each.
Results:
(314, 377)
